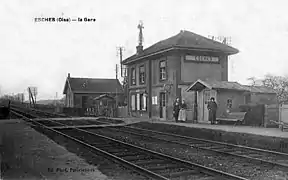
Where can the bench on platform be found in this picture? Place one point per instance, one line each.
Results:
(282, 125)
(236, 117)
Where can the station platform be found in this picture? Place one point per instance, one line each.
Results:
(271, 132)
(265, 138)
(27, 154)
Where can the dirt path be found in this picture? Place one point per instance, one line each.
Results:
(27, 154)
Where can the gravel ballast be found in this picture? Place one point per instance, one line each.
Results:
(27, 154)
(228, 164)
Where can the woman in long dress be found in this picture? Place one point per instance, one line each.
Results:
(182, 112)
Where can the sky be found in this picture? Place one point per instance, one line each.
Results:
(41, 54)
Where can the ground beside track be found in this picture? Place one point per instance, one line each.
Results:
(27, 154)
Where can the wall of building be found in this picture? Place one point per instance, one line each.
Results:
(78, 98)
(263, 98)
(177, 71)
(172, 78)
(189, 98)
(69, 98)
(138, 88)
(222, 97)
(191, 71)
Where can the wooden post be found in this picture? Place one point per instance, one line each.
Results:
(280, 115)
(265, 118)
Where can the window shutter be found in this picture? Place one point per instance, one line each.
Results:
(133, 102)
(138, 101)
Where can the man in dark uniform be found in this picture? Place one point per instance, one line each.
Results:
(212, 107)
(176, 109)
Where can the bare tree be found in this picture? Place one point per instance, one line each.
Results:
(252, 80)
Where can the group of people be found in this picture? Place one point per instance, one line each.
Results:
(179, 110)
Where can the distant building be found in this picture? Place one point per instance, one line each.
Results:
(162, 72)
(80, 92)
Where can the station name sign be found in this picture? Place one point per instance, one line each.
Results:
(201, 58)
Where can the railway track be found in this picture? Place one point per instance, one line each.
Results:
(149, 163)
(251, 154)
(36, 112)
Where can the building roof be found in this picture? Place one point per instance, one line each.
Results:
(213, 84)
(184, 40)
(104, 96)
(260, 89)
(93, 85)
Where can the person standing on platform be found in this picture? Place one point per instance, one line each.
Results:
(176, 109)
(182, 112)
(212, 107)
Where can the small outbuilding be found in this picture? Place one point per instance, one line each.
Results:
(228, 95)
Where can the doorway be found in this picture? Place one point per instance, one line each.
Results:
(162, 110)
(207, 94)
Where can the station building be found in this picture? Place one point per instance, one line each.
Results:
(81, 92)
(162, 72)
(228, 95)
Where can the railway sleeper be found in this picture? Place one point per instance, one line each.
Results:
(161, 167)
(217, 147)
(154, 161)
(181, 173)
(117, 151)
(282, 161)
(123, 154)
(255, 155)
(141, 157)
(228, 150)
(207, 178)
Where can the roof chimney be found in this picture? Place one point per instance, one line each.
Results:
(139, 48)
(68, 75)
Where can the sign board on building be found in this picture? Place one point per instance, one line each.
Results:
(201, 58)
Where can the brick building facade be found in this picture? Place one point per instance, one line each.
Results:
(162, 72)
(80, 92)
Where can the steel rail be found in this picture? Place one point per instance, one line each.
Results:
(139, 169)
(207, 170)
(210, 149)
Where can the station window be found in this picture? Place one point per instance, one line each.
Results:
(133, 102)
(229, 103)
(162, 70)
(142, 74)
(143, 102)
(133, 76)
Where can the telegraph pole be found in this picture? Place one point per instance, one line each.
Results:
(116, 71)
(120, 50)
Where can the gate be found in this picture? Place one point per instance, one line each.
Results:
(283, 111)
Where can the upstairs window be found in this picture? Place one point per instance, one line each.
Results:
(162, 70)
(142, 74)
(133, 76)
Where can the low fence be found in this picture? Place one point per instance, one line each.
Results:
(260, 114)
(283, 111)
(271, 113)
(92, 111)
